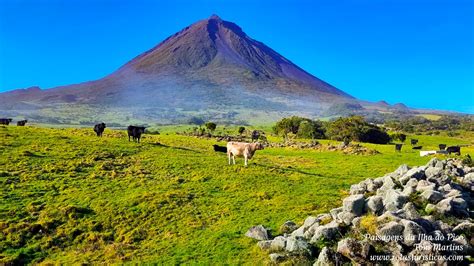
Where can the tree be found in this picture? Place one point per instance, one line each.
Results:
(211, 126)
(355, 128)
(241, 130)
(300, 127)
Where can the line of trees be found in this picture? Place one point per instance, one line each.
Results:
(353, 128)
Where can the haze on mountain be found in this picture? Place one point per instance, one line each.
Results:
(211, 70)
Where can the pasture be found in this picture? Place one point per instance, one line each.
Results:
(68, 196)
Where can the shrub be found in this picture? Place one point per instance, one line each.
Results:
(300, 126)
(355, 128)
(241, 130)
(211, 126)
(369, 224)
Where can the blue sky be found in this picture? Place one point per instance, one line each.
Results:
(419, 52)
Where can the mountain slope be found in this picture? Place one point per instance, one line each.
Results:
(211, 69)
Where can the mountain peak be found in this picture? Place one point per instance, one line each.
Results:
(215, 17)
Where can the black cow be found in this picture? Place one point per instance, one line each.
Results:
(21, 123)
(218, 148)
(414, 141)
(417, 147)
(99, 129)
(442, 146)
(135, 132)
(398, 147)
(255, 135)
(454, 149)
(5, 121)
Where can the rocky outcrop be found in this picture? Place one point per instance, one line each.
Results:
(426, 210)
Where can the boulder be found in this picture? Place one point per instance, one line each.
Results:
(466, 228)
(326, 258)
(411, 232)
(346, 217)
(392, 231)
(394, 200)
(329, 231)
(401, 170)
(432, 196)
(334, 212)
(410, 212)
(374, 204)
(278, 244)
(432, 172)
(257, 232)
(425, 185)
(417, 173)
(357, 189)
(357, 251)
(354, 204)
(297, 245)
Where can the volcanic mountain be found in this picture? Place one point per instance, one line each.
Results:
(211, 69)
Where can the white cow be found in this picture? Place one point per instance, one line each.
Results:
(242, 149)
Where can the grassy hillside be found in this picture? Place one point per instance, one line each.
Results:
(70, 197)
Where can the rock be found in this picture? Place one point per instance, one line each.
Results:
(417, 173)
(432, 162)
(334, 212)
(309, 221)
(278, 244)
(394, 200)
(264, 244)
(432, 172)
(388, 216)
(257, 232)
(466, 228)
(410, 212)
(288, 227)
(327, 232)
(455, 206)
(440, 164)
(392, 231)
(425, 185)
(326, 258)
(354, 204)
(357, 251)
(401, 170)
(357, 189)
(388, 184)
(432, 196)
(374, 204)
(277, 258)
(411, 232)
(346, 217)
(412, 182)
(297, 245)
(408, 190)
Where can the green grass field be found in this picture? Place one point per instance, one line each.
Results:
(70, 197)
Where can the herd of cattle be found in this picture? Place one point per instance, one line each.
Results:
(233, 149)
(442, 147)
(7, 121)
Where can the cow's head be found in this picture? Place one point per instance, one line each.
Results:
(9, 119)
(141, 129)
(259, 146)
(103, 125)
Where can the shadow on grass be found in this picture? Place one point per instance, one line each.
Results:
(174, 147)
(287, 169)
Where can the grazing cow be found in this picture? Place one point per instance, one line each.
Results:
(442, 146)
(99, 129)
(414, 141)
(242, 149)
(5, 121)
(454, 149)
(417, 148)
(398, 147)
(135, 132)
(218, 148)
(21, 123)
